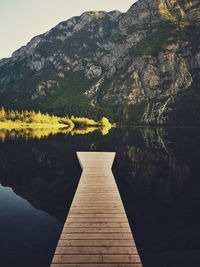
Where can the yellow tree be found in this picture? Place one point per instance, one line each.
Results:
(104, 121)
(2, 114)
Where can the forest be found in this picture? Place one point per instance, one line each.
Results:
(35, 123)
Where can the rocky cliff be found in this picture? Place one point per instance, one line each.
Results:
(142, 66)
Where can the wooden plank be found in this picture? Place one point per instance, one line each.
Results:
(101, 182)
(96, 250)
(97, 173)
(96, 258)
(70, 230)
(95, 211)
(97, 206)
(99, 198)
(99, 236)
(100, 191)
(100, 206)
(96, 232)
(95, 203)
(96, 243)
(98, 220)
(100, 195)
(95, 265)
(102, 186)
(96, 225)
(102, 215)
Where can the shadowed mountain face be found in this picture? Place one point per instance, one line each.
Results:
(140, 67)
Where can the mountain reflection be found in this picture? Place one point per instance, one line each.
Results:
(156, 159)
(156, 169)
(44, 172)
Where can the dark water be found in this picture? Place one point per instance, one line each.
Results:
(157, 171)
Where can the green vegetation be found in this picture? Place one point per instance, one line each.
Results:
(41, 125)
(168, 15)
(59, 86)
(71, 46)
(83, 121)
(30, 119)
(164, 11)
(166, 34)
(94, 14)
(58, 100)
(155, 41)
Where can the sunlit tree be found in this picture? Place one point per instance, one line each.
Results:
(2, 114)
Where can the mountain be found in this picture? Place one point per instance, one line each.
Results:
(140, 67)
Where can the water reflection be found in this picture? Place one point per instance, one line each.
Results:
(39, 133)
(44, 174)
(157, 171)
(21, 228)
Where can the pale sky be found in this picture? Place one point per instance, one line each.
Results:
(21, 20)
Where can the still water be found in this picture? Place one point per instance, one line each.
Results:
(158, 174)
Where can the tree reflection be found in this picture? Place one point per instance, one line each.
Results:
(39, 133)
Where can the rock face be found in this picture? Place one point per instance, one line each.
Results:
(142, 66)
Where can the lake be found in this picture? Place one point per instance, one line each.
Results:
(158, 174)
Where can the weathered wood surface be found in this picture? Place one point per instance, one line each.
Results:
(96, 232)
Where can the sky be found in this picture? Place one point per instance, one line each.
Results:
(21, 20)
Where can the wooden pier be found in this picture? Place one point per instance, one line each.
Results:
(96, 232)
